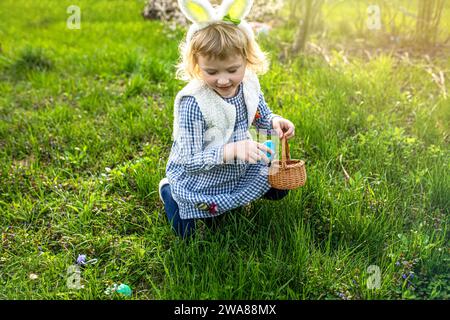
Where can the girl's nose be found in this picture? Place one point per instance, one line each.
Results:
(223, 81)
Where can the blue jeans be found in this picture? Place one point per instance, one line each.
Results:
(186, 227)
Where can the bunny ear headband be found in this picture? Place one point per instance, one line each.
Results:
(202, 14)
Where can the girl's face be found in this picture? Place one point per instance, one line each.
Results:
(223, 76)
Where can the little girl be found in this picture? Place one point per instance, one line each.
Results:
(214, 165)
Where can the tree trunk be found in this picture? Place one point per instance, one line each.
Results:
(428, 20)
(303, 29)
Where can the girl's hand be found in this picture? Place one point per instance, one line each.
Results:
(283, 127)
(246, 150)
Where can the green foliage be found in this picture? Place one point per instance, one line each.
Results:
(32, 59)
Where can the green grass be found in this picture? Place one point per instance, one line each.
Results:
(85, 133)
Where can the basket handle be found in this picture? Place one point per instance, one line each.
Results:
(285, 154)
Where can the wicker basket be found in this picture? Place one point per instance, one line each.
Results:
(287, 174)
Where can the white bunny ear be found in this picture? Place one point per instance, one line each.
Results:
(236, 9)
(198, 11)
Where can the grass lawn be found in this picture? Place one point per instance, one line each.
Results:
(85, 133)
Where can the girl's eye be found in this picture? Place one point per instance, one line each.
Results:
(211, 73)
(232, 71)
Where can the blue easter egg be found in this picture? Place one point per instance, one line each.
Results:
(271, 145)
(124, 289)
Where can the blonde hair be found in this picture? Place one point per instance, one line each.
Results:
(219, 40)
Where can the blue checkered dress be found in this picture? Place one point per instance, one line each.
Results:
(202, 184)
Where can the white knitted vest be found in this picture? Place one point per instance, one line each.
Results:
(220, 116)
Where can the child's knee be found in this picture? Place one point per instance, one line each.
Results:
(183, 228)
(186, 228)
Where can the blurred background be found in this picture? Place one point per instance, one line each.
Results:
(417, 25)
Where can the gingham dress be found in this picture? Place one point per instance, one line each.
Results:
(202, 185)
